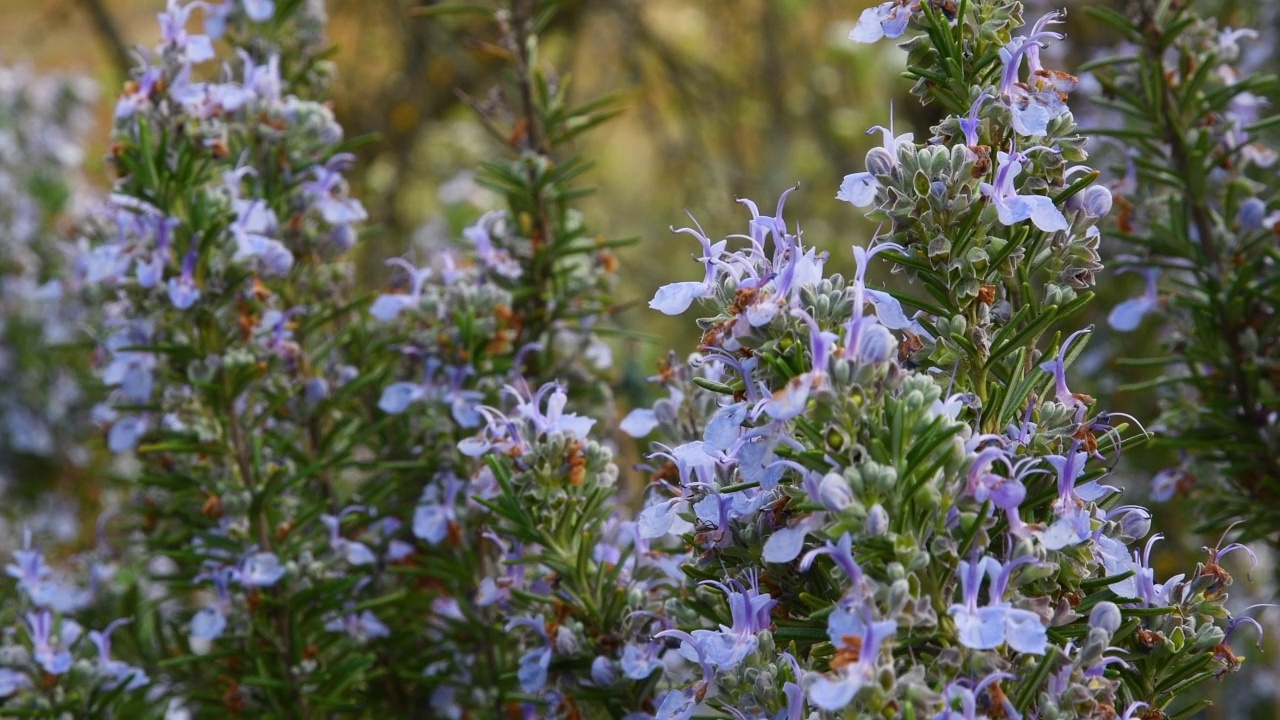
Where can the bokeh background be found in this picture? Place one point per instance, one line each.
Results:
(719, 99)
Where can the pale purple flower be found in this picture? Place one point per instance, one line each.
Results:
(11, 682)
(1148, 590)
(125, 432)
(210, 622)
(1013, 208)
(29, 567)
(785, 544)
(639, 422)
(1058, 368)
(260, 569)
(858, 631)
(493, 259)
(50, 650)
(841, 552)
(997, 623)
(361, 627)
(117, 672)
(250, 230)
(328, 192)
(138, 96)
(969, 124)
(1036, 103)
(675, 298)
(355, 553)
(534, 664)
(398, 396)
(436, 511)
(886, 20)
(183, 292)
(640, 660)
(859, 189)
(728, 646)
(959, 693)
(185, 47)
(1128, 315)
(553, 419)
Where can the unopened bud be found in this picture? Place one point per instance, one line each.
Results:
(566, 642)
(834, 492)
(877, 521)
(879, 161)
(1136, 523)
(602, 671)
(877, 344)
(1096, 201)
(1105, 615)
(316, 390)
(1251, 214)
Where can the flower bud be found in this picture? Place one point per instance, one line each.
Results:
(316, 390)
(1136, 523)
(1251, 214)
(879, 161)
(566, 642)
(1208, 636)
(602, 671)
(834, 492)
(899, 594)
(343, 237)
(1105, 615)
(877, 521)
(878, 344)
(1094, 648)
(1096, 201)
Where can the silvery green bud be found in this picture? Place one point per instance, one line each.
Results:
(766, 645)
(765, 683)
(1095, 647)
(879, 478)
(1207, 636)
(899, 594)
(566, 642)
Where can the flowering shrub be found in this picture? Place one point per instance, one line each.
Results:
(1197, 205)
(861, 503)
(42, 123)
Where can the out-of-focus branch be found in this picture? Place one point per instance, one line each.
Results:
(104, 24)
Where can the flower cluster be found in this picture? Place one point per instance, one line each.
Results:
(860, 502)
(42, 123)
(910, 508)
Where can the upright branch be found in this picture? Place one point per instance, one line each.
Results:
(1195, 211)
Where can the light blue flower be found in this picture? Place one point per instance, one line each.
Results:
(1013, 208)
(997, 623)
(857, 637)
